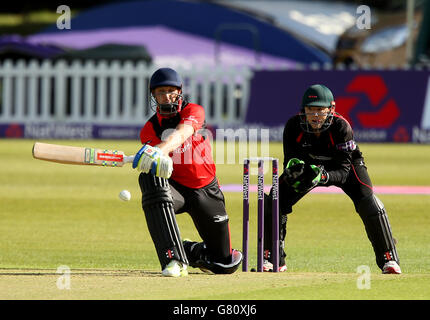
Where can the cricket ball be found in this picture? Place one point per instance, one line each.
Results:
(125, 195)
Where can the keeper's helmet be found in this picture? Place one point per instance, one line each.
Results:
(318, 96)
(166, 77)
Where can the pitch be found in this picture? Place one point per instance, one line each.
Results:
(55, 215)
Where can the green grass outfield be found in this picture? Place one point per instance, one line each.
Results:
(54, 215)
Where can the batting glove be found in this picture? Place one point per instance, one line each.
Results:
(145, 157)
(151, 159)
(163, 167)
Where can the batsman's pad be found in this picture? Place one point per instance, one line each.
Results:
(157, 204)
(378, 229)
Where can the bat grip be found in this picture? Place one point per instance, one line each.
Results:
(128, 159)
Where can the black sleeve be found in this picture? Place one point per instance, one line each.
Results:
(291, 148)
(342, 158)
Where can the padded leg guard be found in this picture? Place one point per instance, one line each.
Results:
(378, 229)
(283, 218)
(157, 204)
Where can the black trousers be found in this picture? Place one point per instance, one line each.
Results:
(358, 187)
(206, 206)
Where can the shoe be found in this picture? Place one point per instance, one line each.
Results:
(268, 267)
(193, 251)
(391, 267)
(198, 257)
(175, 269)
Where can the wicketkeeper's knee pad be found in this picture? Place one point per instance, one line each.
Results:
(157, 204)
(283, 218)
(378, 229)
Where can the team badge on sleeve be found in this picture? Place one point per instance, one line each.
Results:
(347, 146)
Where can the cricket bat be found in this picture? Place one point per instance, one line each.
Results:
(80, 155)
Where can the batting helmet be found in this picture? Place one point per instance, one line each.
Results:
(166, 77)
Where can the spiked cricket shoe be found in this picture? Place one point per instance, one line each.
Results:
(175, 269)
(268, 267)
(391, 267)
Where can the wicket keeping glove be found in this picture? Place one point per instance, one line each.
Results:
(303, 177)
(151, 159)
(293, 170)
(324, 176)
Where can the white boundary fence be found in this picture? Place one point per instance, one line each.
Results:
(111, 93)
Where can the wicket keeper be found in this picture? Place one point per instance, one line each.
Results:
(319, 150)
(178, 175)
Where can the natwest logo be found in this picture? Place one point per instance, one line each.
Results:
(373, 90)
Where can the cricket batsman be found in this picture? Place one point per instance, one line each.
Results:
(319, 150)
(178, 175)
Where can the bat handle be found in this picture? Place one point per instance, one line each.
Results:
(128, 159)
